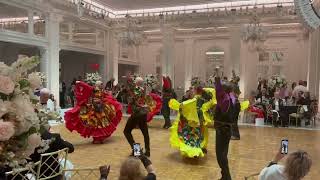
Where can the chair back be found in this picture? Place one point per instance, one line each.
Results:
(252, 177)
(314, 108)
(27, 173)
(269, 110)
(82, 174)
(52, 164)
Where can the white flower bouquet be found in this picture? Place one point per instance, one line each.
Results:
(276, 81)
(19, 122)
(92, 78)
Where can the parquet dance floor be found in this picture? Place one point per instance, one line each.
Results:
(255, 149)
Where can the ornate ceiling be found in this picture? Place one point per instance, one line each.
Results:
(122, 5)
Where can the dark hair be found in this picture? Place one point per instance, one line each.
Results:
(293, 85)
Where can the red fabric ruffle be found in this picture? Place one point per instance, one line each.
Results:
(73, 122)
(258, 111)
(154, 111)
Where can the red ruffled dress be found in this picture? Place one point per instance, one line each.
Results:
(96, 113)
(153, 101)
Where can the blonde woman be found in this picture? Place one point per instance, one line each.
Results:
(296, 167)
(131, 169)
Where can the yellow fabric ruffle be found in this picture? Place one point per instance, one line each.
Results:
(245, 105)
(186, 150)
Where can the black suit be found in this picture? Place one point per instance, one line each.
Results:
(57, 144)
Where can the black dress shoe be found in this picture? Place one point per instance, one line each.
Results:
(235, 138)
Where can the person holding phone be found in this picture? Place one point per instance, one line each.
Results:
(131, 169)
(297, 166)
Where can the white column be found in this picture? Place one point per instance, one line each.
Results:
(115, 60)
(188, 62)
(52, 33)
(105, 67)
(168, 52)
(30, 23)
(70, 31)
(44, 64)
(313, 63)
(235, 47)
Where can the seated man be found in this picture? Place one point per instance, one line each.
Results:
(57, 143)
(276, 103)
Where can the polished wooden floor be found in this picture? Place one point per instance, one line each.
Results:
(256, 147)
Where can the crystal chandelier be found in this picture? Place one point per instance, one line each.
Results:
(130, 36)
(254, 31)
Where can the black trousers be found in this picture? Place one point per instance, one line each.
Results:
(140, 120)
(166, 115)
(235, 131)
(223, 135)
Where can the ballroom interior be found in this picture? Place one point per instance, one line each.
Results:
(254, 39)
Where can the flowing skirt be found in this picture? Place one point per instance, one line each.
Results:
(89, 123)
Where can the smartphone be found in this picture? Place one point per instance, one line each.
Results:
(136, 150)
(284, 146)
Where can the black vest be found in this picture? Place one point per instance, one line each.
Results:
(229, 117)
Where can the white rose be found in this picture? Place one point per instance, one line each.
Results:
(34, 80)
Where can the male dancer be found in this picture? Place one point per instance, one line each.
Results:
(167, 94)
(139, 114)
(224, 119)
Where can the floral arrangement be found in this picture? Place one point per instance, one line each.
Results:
(92, 78)
(20, 124)
(276, 81)
(151, 81)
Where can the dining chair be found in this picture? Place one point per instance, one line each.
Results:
(296, 116)
(48, 168)
(26, 173)
(314, 113)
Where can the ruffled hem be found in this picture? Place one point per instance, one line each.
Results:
(186, 150)
(73, 122)
(157, 109)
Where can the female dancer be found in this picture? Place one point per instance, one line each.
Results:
(189, 132)
(96, 113)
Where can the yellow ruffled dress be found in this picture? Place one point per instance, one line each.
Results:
(187, 134)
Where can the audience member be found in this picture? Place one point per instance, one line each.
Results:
(297, 89)
(44, 96)
(51, 103)
(56, 144)
(296, 167)
(131, 169)
(110, 85)
(62, 92)
(104, 172)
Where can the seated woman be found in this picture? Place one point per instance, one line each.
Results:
(296, 167)
(96, 113)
